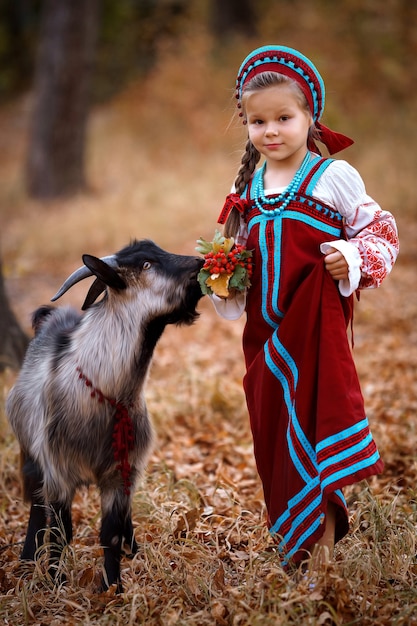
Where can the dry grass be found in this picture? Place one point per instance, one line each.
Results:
(161, 159)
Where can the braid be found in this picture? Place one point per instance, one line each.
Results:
(249, 160)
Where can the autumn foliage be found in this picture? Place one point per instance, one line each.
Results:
(162, 157)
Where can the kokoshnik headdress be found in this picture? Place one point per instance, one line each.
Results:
(295, 65)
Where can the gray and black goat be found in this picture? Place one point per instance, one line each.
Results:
(78, 407)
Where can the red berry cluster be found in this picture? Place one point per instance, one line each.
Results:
(221, 263)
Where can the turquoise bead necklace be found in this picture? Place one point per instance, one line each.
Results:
(285, 197)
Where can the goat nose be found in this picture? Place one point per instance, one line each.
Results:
(198, 263)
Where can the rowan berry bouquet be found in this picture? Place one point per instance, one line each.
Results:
(228, 265)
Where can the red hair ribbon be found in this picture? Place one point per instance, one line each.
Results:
(233, 201)
(334, 141)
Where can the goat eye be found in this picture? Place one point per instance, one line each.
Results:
(146, 265)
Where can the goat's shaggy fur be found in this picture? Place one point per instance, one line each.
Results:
(65, 435)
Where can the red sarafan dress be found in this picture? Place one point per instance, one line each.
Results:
(310, 431)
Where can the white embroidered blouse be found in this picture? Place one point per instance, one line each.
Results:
(372, 243)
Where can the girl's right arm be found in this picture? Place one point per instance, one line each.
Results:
(372, 246)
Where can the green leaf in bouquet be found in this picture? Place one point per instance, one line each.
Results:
(239, 279)
(203, 246)
(245, 254)
(202, 277)
(222, 243)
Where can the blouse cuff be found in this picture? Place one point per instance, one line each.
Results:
(230, 308)
(354, 261)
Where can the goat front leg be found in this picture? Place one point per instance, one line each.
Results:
(32, 479)
(116, 529)
(60, 535)
(129, 544)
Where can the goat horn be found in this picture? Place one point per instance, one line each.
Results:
(80, 274)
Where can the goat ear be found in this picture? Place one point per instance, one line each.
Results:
(94, 292)
(104, 272)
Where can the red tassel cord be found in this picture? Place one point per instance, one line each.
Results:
(122, 431)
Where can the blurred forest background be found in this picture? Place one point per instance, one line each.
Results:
(167, 68)
(117, 120)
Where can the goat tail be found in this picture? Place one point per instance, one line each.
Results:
(39, 316)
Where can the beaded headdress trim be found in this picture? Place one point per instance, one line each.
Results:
(291, 63)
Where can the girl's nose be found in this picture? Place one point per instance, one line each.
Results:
(271, 129)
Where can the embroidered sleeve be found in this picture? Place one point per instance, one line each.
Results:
(377, 243)
(369, 229)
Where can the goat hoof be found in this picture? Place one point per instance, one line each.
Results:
(116, 587)
(129, 550)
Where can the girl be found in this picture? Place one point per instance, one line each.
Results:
(316, 238)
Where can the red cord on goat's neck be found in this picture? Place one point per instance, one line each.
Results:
(122, 431)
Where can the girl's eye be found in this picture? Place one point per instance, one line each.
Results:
(147, 265)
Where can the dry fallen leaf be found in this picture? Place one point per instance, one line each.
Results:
(219, 284)
(188, 521)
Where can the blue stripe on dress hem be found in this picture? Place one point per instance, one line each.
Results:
(312, 527)
(312, 484)
(294, 501)
(343, 434)
(347, 452)
(352, 469)
(298, 521)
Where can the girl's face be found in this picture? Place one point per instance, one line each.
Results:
(278, 124)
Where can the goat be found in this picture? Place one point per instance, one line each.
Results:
(78, 407)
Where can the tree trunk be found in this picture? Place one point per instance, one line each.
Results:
(232, 17)
(55, 165)
(13, 341)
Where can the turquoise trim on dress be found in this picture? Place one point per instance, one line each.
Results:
(277, 265)
(336, 458)
(314, 223)
(314, 179)
(292, 416)
(264, 255)
(291, 412)
(352, 469)
(344, 434)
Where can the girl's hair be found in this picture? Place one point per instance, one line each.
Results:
(251, 156)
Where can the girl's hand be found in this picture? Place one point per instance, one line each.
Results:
(336, 264)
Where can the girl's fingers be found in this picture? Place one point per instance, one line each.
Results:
(336, 264)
